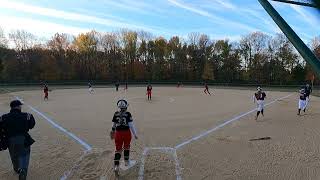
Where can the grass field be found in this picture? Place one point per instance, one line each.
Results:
(183, 133)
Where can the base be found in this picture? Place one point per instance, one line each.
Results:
(131, 164)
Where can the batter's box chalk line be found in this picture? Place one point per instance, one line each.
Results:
(75, 167)
(173, 151)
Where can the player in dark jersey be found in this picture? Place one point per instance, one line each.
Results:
(122, 128)
(149, 91)
(206, 90)
(46, 92)
(117, 86)
(179, 84)
(259, 97)
(302, 101)
(308, 91)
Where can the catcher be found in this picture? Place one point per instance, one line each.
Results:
(122, 128)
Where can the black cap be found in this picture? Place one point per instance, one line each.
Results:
(15, 103)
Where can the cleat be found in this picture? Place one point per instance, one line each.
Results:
(116, 168)
(126, 163)
(22, 174)
(116, 171)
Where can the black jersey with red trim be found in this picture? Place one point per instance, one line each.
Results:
(149, 88)
(260, 95)
(45, 89)
(308, 90)
(303, 96)
(121, 120)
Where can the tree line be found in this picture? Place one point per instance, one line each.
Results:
(129, 55)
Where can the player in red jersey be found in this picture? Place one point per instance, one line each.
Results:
(206, 90)
(121, 131)
(149, 91)
(126, 86)
(46, 92)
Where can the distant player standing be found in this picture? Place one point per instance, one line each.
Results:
(149, 91)
(90, 88)
(179, 84)
(302, 101)
(46, 92)
(117, 86)
(259, 97)
(122, 128)
(206, 90)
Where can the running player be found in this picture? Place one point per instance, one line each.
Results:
(122, 128)
(206, 90)
(46, 92)
(302, 101)
(90, 88)
(149, 91)
(126, 86)
(308, 91)
(259, 97)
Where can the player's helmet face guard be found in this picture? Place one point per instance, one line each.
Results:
(259, 88)
(122, 104)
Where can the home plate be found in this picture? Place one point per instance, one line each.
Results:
(131, 164)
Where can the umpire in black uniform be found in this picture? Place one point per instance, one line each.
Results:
(17, 125)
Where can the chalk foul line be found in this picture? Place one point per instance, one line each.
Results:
(87, 147)
(238, 117)
(57, 126)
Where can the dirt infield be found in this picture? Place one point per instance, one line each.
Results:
(173, 116)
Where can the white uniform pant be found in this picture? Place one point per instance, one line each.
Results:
(307, 102)
(302, 104)
(260, 105)
(90, 90)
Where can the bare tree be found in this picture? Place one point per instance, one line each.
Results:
(193, 38)
(110, 42)
(145, 36)
(22, 40)
(315, 43)
(204, 41)
(3, 39)
(59, 42)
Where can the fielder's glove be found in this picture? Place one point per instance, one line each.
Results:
(111, 134)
